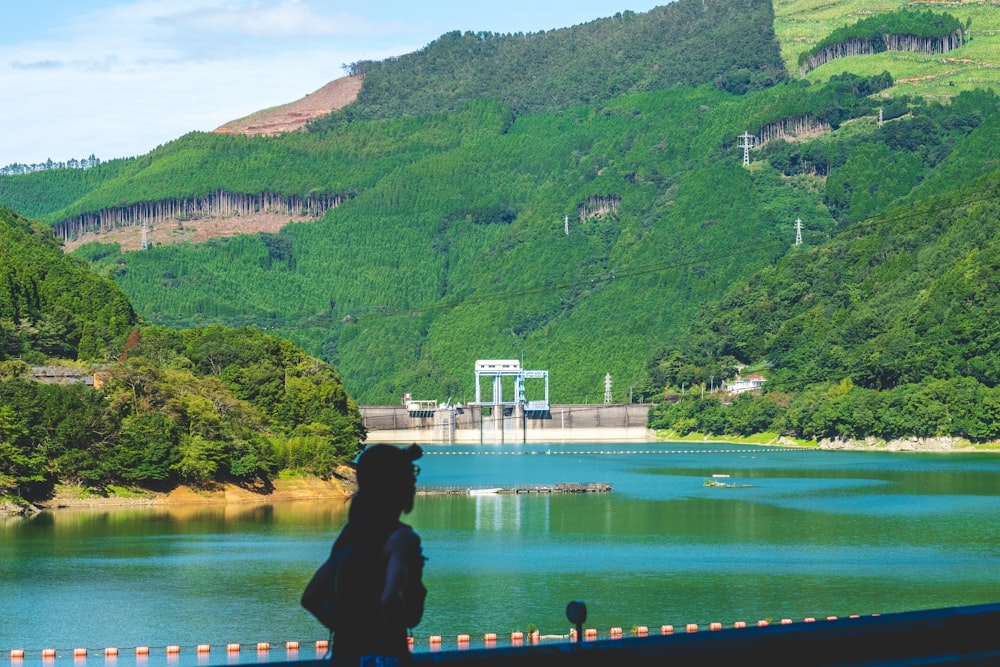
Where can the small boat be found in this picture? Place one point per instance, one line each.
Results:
(484, 492)
(714, 482)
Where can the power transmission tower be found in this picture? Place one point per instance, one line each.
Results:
(747, 142)
(144, 244)
(798, 231)
(607, 389)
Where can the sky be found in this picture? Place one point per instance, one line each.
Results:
(117, 78)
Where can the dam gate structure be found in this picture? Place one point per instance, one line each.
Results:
(458, 424)
(511, 406)
(502, 412)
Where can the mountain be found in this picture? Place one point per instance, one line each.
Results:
(590, 230)
(674, 45)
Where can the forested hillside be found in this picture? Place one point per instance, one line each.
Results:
(38, 194)
(804, 26)
(887, 331)
(658, 205)
(195, 407)
(162, 407)
(919, 32)
(467, 208)
(728, 44)
(663, 218)
(52, 305)
(595, 230)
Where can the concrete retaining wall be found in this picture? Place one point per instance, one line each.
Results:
(566, 422)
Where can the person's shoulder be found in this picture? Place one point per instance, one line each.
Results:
(404, 537)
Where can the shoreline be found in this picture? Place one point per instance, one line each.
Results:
(338, 488)
(68, 497)
(913, 445)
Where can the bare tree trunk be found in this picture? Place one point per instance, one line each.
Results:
(218, 204)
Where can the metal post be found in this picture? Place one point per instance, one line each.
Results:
(576, 613)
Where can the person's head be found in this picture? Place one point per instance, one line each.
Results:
(387, 478)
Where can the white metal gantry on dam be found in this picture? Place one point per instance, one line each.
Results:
(496, 370)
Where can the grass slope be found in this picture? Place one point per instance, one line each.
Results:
(800, 24)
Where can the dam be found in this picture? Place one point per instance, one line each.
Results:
(447, 424)
(511, 405)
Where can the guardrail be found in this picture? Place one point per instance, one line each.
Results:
(965, 636)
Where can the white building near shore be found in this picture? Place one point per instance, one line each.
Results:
(740, 385)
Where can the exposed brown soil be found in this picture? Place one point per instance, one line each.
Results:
(195, 231)
(284, 490)
(290, 117)
(294, 116)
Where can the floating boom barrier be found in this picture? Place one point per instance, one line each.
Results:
(432, 642)
(964, 636)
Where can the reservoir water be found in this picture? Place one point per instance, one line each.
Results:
(797, 534)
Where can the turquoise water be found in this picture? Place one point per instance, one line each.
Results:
(805, 534)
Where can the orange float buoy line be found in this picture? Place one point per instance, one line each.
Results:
(434, 642)
(80, 654)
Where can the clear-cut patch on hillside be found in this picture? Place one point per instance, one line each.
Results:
(193, 219)
(295, 115)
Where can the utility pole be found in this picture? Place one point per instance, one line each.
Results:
(747, 142)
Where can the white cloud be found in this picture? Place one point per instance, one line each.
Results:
(116, 78)
(120, 80)
(286, 18)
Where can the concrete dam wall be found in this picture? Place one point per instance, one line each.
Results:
(475, 424)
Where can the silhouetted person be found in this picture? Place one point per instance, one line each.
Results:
(383, 584)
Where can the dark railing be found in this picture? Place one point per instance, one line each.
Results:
(966, 636)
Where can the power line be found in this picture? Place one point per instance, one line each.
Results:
(869, 223)
(554, 286)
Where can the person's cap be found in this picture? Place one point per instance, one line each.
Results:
(386, 463)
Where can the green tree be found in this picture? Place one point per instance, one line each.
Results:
(147, 451)
(20, 463)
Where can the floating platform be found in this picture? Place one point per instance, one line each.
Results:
(724, 485)
(585, 487)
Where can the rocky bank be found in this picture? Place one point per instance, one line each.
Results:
(281, 490)
(927, 445)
